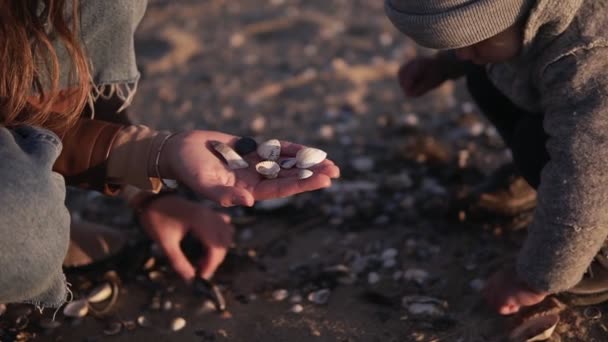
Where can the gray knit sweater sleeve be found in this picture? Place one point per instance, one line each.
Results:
(571, 220)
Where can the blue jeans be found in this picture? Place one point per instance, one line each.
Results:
(34, 222)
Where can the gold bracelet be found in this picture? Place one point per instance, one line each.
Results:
(168, 183)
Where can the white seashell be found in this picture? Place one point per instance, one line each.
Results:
(389, 253)
(373, 278)
(100, 293)
(425, 306)
(270, 150)
(233, 159)
(320, 297)
(280, 295)
(297, 308)
(76, 309)
(309, 157)
(416, 275)
(535, 329)
(304, 173)
(143, 321)
(178, 324)
(268, 169)
(288, 163)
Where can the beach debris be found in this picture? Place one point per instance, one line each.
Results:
(304, 173)
(129, 325)
(297, 308)
(288, 163)
(417, 275)
(268, 169)
(76, 309)
(178, 324)
(245, 145)
(113, 328)
(538, 328)
(280, 295)
(320, 297)
(143, 321)
(49, 323)
(537, 323)
(233, 159)
(167, 305)
(149, 264)
(309, 157)
(424, 306)
(389, 253)
(205, 288)
(100, 293)
(270, 150)
(373, 278)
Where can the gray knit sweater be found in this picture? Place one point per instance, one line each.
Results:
(563, 72)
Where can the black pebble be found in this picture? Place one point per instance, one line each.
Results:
(245, 146)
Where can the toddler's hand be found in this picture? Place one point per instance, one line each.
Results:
(189, 158)
(421, 75)
(507, 294)
(168, 220)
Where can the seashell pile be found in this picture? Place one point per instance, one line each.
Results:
(270, 152)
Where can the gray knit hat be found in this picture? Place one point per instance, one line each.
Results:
(451, 24)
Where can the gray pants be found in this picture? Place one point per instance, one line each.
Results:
(34, 222)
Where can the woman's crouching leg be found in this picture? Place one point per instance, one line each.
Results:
(34, 222)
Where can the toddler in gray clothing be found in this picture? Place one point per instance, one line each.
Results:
(539, 69)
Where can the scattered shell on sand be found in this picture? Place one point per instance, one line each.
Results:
(424, 306)
(288, 163)
(389, 263)
(143, 321)
(178, 324)
(280, 295)
(77, 308)
(389, 253)
(270, 150)
(416, 275)
(304, 173)
(297, 308)
(268, 169)
(320, 297)
(538, 328)
(113, 328)
(233, 159)
(100, 293)
(309, 157)
(373, 278)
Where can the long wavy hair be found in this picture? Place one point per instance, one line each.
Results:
(29, 68)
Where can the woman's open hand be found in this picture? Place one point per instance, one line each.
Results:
(189, 158)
